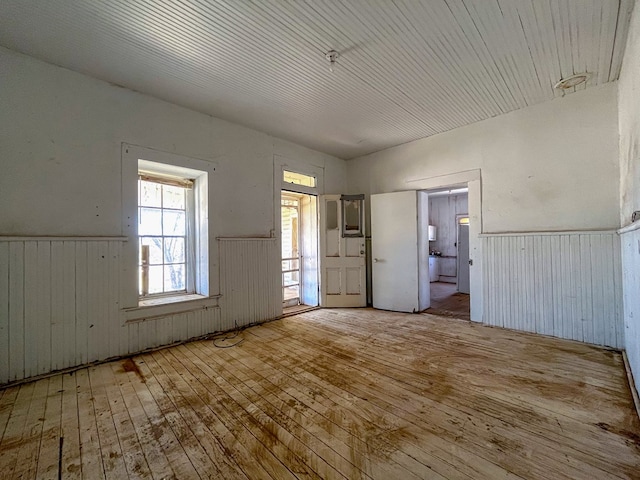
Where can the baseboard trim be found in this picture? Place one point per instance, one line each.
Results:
(632, 385)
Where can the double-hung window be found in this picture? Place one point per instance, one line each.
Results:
(169, 261)
(165, 234)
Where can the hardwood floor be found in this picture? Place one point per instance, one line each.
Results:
(349, 393)
(446, 301)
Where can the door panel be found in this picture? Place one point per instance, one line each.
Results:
(343, 268)
(354, 287)
(353, 247)
(463, 259)
(333, 281)
(333, 243)
(309, 244)
(397, 272)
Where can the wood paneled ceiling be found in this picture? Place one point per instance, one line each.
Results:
(407, 69)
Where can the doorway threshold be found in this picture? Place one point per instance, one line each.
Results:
(296, 309)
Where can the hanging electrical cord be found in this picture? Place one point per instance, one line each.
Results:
(226, 337)
(230, 336)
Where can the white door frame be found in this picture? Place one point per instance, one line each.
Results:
(473, 180)
(280, 164)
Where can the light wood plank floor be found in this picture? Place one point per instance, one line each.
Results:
(446, 301)
(351, 394)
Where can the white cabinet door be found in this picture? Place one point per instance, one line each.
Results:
(399, 251)
(343, 270)
(434, 270)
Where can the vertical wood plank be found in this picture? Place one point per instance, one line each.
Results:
(69, 304)
(133, 337)
(82, 303)
(43, 297)
(101, 324)
(57, 306)
(16, 311)
(576, 286)
(4, 312)
(94, 297)
(598, 288)
(113, 269)
(31, 309)
(616, 253)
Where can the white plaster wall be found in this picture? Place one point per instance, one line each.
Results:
(60, 137)
(552, 166)
(629, 124)
(548, 168)
(60, 175)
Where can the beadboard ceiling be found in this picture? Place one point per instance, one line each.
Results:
(407, 69)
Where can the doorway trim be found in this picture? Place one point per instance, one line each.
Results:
(473, 179)
(280, 164)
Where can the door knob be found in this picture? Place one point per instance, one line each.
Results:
(375, 260)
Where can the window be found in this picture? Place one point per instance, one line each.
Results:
(352, 215)
(298, 178)
(169, 263)
(165, 234)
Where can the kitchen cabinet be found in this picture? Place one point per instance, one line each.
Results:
(434, 270)
(432, 233)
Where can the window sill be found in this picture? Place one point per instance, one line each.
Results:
(159, 307)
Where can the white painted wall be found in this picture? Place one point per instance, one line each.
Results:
(552, 166)
(60, 137)
(629, 124)
(60, 162)
(547, 168)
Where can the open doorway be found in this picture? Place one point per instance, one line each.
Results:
(297, 187)
(449, 252)
(299, 245)
(400, 245)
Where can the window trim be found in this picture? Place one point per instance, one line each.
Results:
(190, 285)
(207, 288)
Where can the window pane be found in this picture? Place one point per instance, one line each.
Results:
(299, 179)
(352, 215)
(332, 215)
(155, 249)
(155, 279)
(150, 194)
(174, 278)
(172, 197)
(174, 250)
(173, 223)
(150, 221)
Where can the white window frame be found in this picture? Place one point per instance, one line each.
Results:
(206, 288)
(149, 173)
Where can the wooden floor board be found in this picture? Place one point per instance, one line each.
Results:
(7, 402)
(71, 461)
(543, 445)
(335, 394)
(16, 429)
(232, 428)
(47, 467)
(29, 447)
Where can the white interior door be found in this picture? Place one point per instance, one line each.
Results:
(399, 223)
(343, 268)
(463, 258)
(309, 246)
